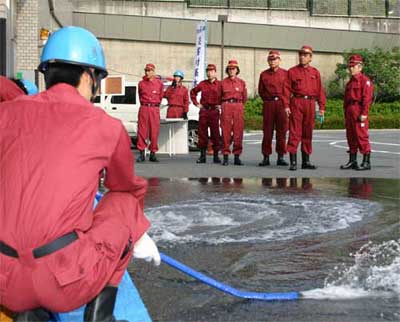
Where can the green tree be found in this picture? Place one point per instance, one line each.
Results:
(383, 67)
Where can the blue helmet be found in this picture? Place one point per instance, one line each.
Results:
(74, 45)
(179, 73)
(30, 87)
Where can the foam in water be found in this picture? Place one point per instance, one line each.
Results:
(375, 273)
(237, 218)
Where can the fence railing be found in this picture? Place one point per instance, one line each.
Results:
(364, 8)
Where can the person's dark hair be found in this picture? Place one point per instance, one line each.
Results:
(62, 73)
(19, 84)
(237, 68)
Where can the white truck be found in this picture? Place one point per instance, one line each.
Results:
(126, 108)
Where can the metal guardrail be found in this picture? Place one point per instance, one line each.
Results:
(365, 8)
(348, 8)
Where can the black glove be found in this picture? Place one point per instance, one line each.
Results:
(184, 116)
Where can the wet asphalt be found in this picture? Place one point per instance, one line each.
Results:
(329, 152)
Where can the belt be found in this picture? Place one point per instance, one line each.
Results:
(178, 106)
(307, 97)
(233, 100)
(151, 104)
(272, 98)
(210, 107)
(42, 251)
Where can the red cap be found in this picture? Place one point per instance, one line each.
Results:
(150, 66)
(274, 54)
(211, 67)
(232, 63)
(355, 60)
(306, 50)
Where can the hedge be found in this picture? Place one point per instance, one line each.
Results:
(381, 115)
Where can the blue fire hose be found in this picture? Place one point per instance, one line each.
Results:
(226, 288)
(218, 285)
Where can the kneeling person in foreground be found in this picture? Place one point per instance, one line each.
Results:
(54, 247)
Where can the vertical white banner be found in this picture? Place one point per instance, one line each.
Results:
(200, 56)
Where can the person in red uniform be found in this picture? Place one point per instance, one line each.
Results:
(12, 88)
(306, 87)
(56, 252)
(178, 97)
(358, 98)
(209, 105)
(274, 91)
(151, 92)
(234, 96)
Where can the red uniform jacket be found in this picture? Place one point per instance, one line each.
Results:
(151, 91)
(178, 96)
(53, 147)
(306, 81)
(273, 84)
(9, 90)
(211, 93)
(360, 91)
(234, 89)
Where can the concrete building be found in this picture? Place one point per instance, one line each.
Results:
(163, 32)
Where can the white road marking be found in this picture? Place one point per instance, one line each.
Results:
(337, 145)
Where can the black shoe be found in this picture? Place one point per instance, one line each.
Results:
(141, 157)
(293, 161)
(352, 164)
(33, 316)
(216, 159)
(281, 161)
(152, 157)
(101, 308)
(237, 160)
(366, 163)
(202, 158)
(305, 162)
(264, 162)
(226, 159)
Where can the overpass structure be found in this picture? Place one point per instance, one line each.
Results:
(163, 32)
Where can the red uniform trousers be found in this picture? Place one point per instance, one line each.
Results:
(75, 274)
(232, 122)
(209, 118)
(175, 112)
(274, 117)
(148, 127)
(301, 124)
(356, 131)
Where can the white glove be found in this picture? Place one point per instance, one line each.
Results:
(146, 249)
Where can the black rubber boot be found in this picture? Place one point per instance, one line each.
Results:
(281, 160)
(202, 158)
(226, 159)
(366, 163)
(101, 308)
(141, 157)
(305, 162)
(264, 162)
(152, 157)
(216, 159)
(352, 164)
(293, 162)
(36, 315)
(237, 160)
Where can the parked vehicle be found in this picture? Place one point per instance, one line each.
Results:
(126, 107)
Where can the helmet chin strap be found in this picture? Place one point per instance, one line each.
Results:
(96, 79)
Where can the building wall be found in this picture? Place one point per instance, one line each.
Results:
(129, 57)
(27, 34)
(180, 9)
